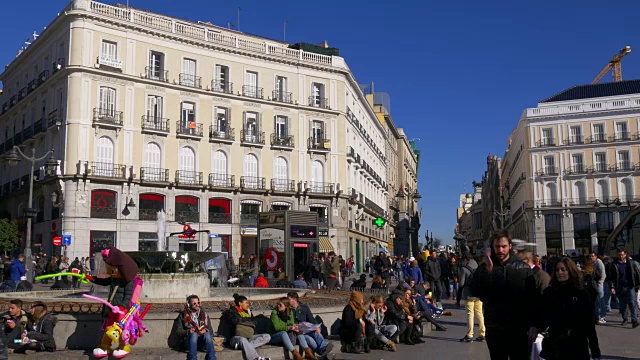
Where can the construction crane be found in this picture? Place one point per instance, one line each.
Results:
(614, 64)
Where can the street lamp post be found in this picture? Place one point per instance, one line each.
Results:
(14, 157)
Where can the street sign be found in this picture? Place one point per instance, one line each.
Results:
(213, 235)
(57, 241)
(271, 259)
(66, 240)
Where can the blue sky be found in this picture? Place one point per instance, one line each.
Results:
(459, 73)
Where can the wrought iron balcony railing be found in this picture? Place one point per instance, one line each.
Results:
(151, 174)
(107, 116)
(222, 180)
(252, 137)
(105, 170)
(155, 123)
(282, 96)
(252, 91)
(320, 187)
(282, 141)
(148, 214)
(222, 86)
(106, 212)
(154, 73)
(597, 138)
(546, 142)
(621, 136)
(184, 217)
(188, 129)
(219, 218)
(252, 182)
(224, 134)
(285, 185)
(575, 140)
(184, 177)
(54, 118)
(248, 219)
(319, 144)
(577, 169)
(40, 126)
(190, 80)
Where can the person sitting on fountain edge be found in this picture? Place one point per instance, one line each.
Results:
(302, 313)
(238, 328)
(196, 329)
(15, 322)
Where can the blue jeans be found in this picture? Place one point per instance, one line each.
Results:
(316, 342)
(607, 297)
(193, 341)
(628, 297)
(282, 338)
(601, 306)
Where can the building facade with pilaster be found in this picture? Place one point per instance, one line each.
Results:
(150, 113)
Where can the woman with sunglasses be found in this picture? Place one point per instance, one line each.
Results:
(284, 331)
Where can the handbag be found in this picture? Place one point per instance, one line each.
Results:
(245, 329)
(218, 343)
(293, 336)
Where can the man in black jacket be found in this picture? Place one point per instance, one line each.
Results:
(500, 282)
(382, 267)
(302, 313)
(238, 327)
(625, 278)
(433, 275)
(396, 316)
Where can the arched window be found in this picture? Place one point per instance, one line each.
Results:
(219, 176)
(104, 158)
(187, 174)
(250, 172)
(317, 176)
(281, 175)
(152, 156)
(187, 209)
(603, 190)
(551, 196)
(626, 190)
(580, 193)
(103, 204)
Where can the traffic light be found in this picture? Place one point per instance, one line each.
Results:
(379, 222)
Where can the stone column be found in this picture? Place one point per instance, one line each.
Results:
(568, 240)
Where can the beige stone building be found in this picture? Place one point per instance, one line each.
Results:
(147, 112)
(571, 169)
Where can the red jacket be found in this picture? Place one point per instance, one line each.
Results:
(261, 282)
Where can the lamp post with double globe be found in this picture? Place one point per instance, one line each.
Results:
(14, 157)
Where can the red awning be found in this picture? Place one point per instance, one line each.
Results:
(152, 197)
(187, 200)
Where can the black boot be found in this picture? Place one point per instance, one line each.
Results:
(354, 348)
(367, 347)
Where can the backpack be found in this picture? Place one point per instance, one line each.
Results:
(470, 277)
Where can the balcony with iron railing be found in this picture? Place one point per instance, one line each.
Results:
(184, 177)
(107, 117)
(600, 168)
(283, 185)
(319, 102)
(222, 86)
(222, 180)
(546, 142)
(150, 174)
(551, 203)
(219, 218)
(184, 217)
(317, 187)
(282, 96)
(252, 91)
(624, 166)
(577, 169)
(251, 137)
(252, 183)
(148, 214)
(58, 65)
(42, 77)
(351, 154)
(597, 138)
(27, 133)
(13, 101)
(319, 144)
(548, 171)
(54, 118)
(5, 107)
(226, 134)
(104, 170)
(22, 93)
(33, 84)
(189, 129)
(620, 136)
(153, 73)
(40, 126)
(155, 124)
(190, 80)
(280, 141)
(575, 140)
(17, 139)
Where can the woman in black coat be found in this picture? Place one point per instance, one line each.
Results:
(567, 312)
(39, 336)
(355, 331)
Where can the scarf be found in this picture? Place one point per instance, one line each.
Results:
(356, 304)
(189, 322)
(241, 312)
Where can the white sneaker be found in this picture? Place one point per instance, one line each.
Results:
(119, 354)
(99, 353)
(602, 321)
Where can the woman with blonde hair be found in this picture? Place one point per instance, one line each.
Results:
(39, 334)
(375, 316)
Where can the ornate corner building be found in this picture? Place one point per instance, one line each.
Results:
(146, 112)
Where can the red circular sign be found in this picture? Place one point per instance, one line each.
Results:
(54, 226)
(57, 241)
(271, 259)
